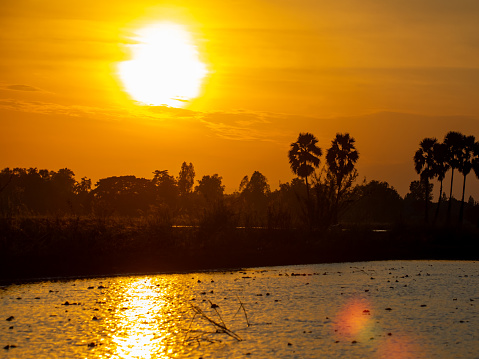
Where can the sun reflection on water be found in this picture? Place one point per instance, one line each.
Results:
(142, 323)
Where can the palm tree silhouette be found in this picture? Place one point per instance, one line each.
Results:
(304, 156)
(465, 166)
(475, 160)
(341, 158)
(440, 168)
(424, 164)
(453, 142)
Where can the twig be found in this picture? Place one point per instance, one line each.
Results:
(222, 327)
(244, 310)
(189, 327)
(216, 310)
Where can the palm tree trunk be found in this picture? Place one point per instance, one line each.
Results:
(461, 211)
(307, 187)
(309, 205)
(450, 197)
(336, 204)
(426, 209)
(438, 205)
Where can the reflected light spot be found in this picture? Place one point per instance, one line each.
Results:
(165, 68)
(353, 318)
(399, 347)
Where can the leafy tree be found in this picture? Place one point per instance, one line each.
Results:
(304, 156)
(285, 208)
(424, 164)
(244, 182)
(125, 195)
(211, 188)
(255, 194)
(83, 195)
(341, 158)
(377, 202)
(166, 188)
(186, 179)
(417, 191)
(453, 142)
(257, 186)
(328, 206)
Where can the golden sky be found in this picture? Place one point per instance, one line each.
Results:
(389, 72)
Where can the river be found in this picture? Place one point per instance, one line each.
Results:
(386, 309)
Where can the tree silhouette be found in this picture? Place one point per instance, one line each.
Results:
(441, 166)
(341, 158)
(304, 156)
(166, 187)
(475, 160)
(424, 164)
(123, 195)
(211, 188)
(186, 179)
(453, 143)
(254, 195)
(465, 166)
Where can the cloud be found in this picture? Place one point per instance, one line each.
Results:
(165, 111)
(235, 125)
(247, 126)
(22, 88)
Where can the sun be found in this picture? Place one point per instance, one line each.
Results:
(165, 69)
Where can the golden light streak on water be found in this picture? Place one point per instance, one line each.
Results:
(141, 324)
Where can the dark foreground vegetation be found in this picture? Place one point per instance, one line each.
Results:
(62, 247)
(53, 225)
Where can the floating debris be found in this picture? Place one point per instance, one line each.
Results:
(10, 318)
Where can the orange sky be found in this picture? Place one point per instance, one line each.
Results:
(389, 72)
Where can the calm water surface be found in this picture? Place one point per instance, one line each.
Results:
(390, 309)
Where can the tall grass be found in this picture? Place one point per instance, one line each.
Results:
(32, 247)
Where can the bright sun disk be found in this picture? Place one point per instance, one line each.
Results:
(165, 68)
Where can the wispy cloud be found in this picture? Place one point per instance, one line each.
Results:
(22, 88)
(247, 126)
(236, 125)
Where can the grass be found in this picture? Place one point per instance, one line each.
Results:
(36, 247)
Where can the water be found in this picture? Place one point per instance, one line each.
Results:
(390, 309)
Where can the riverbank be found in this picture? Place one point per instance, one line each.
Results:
(33, 248)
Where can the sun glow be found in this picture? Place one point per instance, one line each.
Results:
(165, 68)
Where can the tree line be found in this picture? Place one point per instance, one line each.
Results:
(323, 194)
(434, 159)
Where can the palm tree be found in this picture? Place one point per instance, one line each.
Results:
(424, 164)
(440, 168)
(341, 158)
(453, 142)
(465, 166)
(304, 156)
(475, 160)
